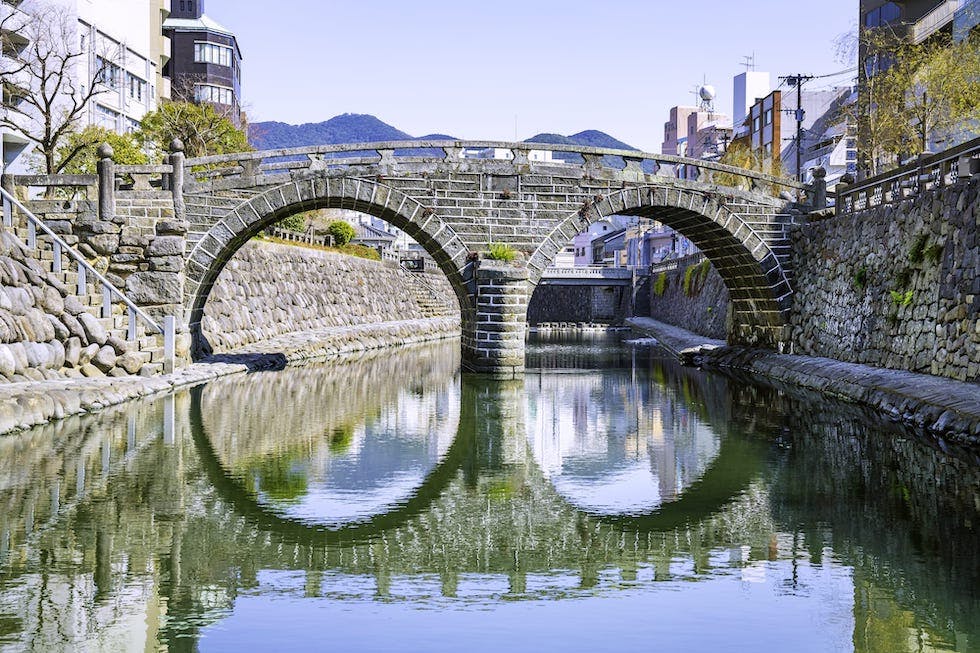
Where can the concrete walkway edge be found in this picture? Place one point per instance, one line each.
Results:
(942, 407)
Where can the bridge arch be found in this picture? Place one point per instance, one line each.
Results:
(732, 228)
(219, 244)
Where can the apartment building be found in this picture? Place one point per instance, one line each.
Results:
(206, 63)
(118, 47)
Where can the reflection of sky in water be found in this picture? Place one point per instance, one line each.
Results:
(615, 444)
(725, 611)
(615, 492)
(386, 459)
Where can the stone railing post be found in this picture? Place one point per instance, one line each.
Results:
(818, 189)
(493, 343)
(106, 168)
(176, 160)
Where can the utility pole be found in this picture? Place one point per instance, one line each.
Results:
(798, 81)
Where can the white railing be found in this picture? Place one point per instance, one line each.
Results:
(87, 273)
(591, 272)
(674, 263)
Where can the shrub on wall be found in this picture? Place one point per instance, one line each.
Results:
(660, 285)
(502, 252)
(341, 231)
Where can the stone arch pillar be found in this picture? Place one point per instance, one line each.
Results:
(493, 341)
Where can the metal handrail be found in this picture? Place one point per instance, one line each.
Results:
(85, 269)
(454, 150)
(420, 277)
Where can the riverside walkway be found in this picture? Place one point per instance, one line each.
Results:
(943, 407)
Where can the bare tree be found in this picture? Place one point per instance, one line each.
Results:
(50, 82)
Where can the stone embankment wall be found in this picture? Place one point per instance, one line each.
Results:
(896, 286)
(557, 304)
(268, 290)
(47, 332)
(702, 309)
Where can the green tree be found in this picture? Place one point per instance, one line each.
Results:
(203, 130)
(341, 231)
(914, 93)
(740, 155)
(83, 145)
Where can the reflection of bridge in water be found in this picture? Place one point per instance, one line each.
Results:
(166, 527)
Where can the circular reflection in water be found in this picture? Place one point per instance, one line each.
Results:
(344, 444)
(615, 444)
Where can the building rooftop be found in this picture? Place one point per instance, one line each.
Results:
(203, 24)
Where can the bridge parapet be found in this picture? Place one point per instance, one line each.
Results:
(631, 165)
(929, 172)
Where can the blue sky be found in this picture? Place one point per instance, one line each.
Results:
(485, 70)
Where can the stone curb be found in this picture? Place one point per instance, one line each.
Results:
(29, 404)
(941, 407)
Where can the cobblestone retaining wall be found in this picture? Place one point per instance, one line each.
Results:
(47, 332)
(895, 286)
(268, 290)
(702, 310)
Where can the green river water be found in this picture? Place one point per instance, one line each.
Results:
(611, 500)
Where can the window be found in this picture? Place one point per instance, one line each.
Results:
(212, 53)
(768, 117)
(755, 124)
(137, 87)
(214, 94)
(109, 73)
(767, 150)
(883, 15)
(106, 117)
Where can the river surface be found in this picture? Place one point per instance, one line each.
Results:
(610, 500)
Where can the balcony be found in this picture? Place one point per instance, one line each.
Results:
(934, 21)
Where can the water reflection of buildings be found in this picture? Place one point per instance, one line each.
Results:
(115, 533)
(646, 445)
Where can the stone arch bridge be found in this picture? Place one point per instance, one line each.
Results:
(454, 198)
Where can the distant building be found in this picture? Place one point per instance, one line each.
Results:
(675, 131)
(205, 64)
(122, 38)
(14, 145)
(649, 242)
(772, 126)
(583, 243)
(747, 89)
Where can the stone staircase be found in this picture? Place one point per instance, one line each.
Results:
(431, 301)
(108, 322)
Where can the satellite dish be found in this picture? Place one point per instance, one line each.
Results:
(707, 93)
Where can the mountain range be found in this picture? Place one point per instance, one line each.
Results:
(364, 128)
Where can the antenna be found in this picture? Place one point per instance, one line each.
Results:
(748, 61)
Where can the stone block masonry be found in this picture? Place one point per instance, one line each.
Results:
(269, 290)
(556, 304)
(896, 286)
(702, 310)
(495, 344)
